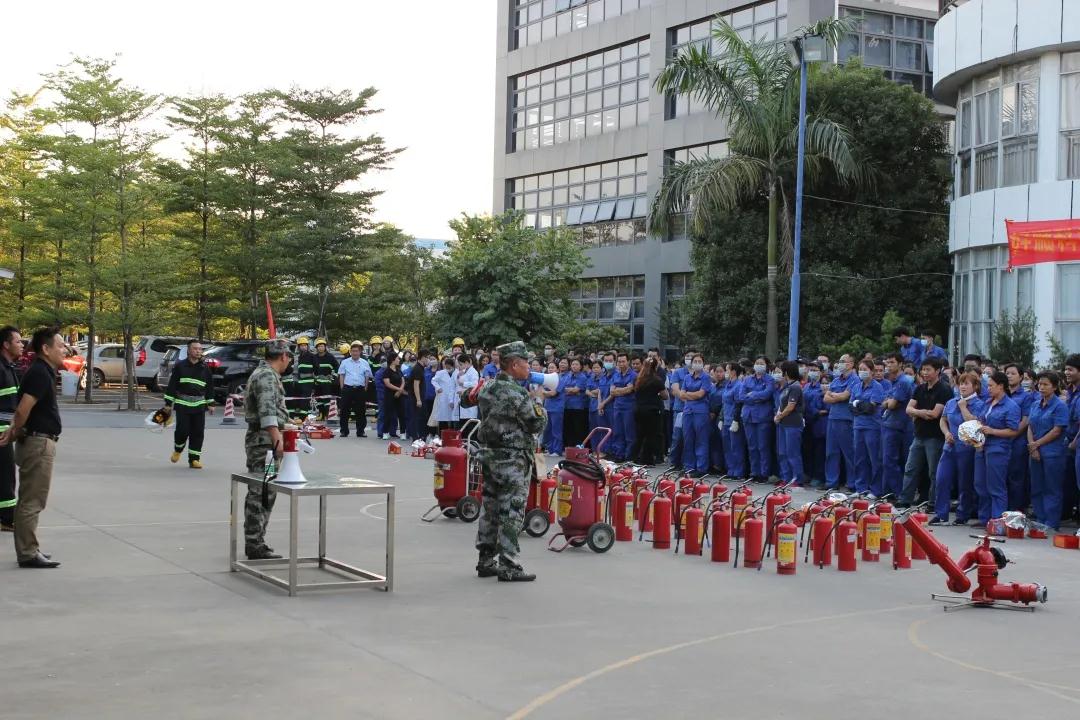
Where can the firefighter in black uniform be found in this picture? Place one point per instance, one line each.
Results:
(190, 395)
(11, 348)
(304, 384)
(326, 381)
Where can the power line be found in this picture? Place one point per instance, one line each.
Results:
(872, 279)
(877, 207)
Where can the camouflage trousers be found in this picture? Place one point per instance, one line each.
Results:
(506, 486)
(256, 516)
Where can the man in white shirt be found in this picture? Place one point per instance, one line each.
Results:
(354, 376)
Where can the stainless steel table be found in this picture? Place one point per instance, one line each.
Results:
(320, 485)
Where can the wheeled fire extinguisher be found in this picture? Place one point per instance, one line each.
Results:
(917, 552)
(871, 536)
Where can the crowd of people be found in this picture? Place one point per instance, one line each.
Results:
(877, 425)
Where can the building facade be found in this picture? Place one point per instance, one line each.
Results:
(1012, 70)
(582, 137)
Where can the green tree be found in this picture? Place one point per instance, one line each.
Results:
(754, 87)
(326, 212)
(501, 281)
(1014, 338)
(591, 335)
(865, 248)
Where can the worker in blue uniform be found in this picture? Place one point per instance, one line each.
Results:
(816, 415)
(1017, 478)
(757, 400)
(1048, 420)
(733, 436)
(897, 428)
(789, 424)
(555, 405)
(592, 391)
(930, 349)
(840, 437)
(695, 388)
(716, 416)
(622, 390)
(674, 382)
(910, 348)
(956, 468)
(1000, 422)
(605, 408)
(867, 395)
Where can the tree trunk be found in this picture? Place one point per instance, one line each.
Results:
(91, 305)
(772, 340)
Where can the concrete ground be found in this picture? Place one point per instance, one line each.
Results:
(144, 620)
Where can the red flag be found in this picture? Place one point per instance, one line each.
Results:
(1043, 241)
(270, 318)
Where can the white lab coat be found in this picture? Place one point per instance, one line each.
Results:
(463, 382)
(445, 400)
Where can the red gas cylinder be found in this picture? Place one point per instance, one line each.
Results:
(847, 533)
(645, 510)
(901, 548)
(885, 512)
(693, 530)
(661, 535)
(820, 540)
(786, 534)
(871, 537)
(721, 534)
(622, 515)
(547, 494)
(917, 553)
(753, 541)
(739, 499)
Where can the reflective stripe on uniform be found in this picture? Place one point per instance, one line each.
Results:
(193, 381)
(190, 403)
(5, 504)
(194, 452)
(8, 391)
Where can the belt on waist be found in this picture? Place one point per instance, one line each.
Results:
(47, 436)
(355, 387)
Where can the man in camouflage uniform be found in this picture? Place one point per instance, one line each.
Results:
(266, 415)
(509, 423)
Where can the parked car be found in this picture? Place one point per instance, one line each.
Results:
(148, 353)
(232, 363)
(108, 364)
(74, 362)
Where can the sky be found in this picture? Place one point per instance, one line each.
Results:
(432, 61)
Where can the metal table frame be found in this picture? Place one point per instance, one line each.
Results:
(320, 485)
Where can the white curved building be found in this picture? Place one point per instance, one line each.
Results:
(1011, 68)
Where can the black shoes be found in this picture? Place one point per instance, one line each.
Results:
(262, 553)
(938, 521)
(39, 561)
(487, 567)
(7, 527)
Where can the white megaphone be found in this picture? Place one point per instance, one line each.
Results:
(290, 472)
(549, 381)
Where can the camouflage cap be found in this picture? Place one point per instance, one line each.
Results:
(513, 349)
(277, 348)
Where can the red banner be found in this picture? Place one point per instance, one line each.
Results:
(1043, 241)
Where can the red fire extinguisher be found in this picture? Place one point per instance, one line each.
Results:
(701, 488)
(785, 546)
(718, 489)
(871, 536)
(721, 532)
(622, 515)
(739, 500)
(661, 535)
(692, 524)
(860, 505)
(645, 511)
(773, 500)
(823, 525)
(840, 513)
(682, 501)
(901, 550)
(917, 553)
(885, 512)
(547, 494)
(751, 533)
(847, 533)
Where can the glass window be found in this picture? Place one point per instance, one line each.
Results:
(588, 212)
(607, 209)
(1068, 291)
(877, 51)
(624, 209)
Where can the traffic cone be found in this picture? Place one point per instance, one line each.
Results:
(331, 413)
(229, 418)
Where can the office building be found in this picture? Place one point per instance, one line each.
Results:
(582, 137)
(1012, 70)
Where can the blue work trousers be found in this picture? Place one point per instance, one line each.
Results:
(553, 432)
(1018, 488)
(894, 445)
(624, 433)
(868, 460)
(734, 452)
(789, 453)
(759, 441)
(1047, 477)
(991, 468)
(839, 448)
(695, 432)
(955, 472)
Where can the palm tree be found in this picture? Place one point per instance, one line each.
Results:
(754, 86)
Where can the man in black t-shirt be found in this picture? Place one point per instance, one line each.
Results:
(925, 407)
(35, 428)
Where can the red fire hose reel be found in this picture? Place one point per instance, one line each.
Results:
(987, 561)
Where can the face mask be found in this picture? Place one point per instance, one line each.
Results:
(803, 371)
(840, 367)
(609, 366)
(814, 375)
(969, 397)
(687, 361)
(985, 374)
(904, 377)
(1027, 384)
(548, 352)
(697, 367)
(864, 374)
(759, 369)
(778, 376)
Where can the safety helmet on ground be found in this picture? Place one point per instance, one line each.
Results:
(387, 339)
(302, 340)
(320, 341)
(458, 341)
(376, 340)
